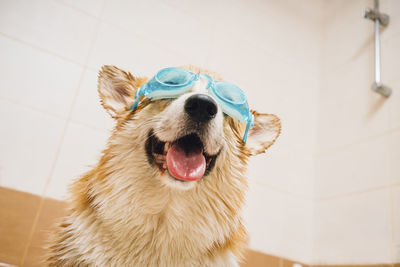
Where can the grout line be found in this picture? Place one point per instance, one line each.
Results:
(358, 142)
(27, 106)
(45, 50)
(288, 62)
(277, 189)
(52, 169)
(143, 37)
(41, 49)
(146, 38)
(56, 116)
(350, 194)
(392, 245)
(69, 118)
(65, 4)
(100, 20)
(183, 11)
(32, 231)
(209, 26)
(51, 172)
(384, 39)
(103, 130)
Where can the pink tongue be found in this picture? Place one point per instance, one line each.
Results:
(186, 167)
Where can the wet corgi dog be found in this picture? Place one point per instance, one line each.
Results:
(169, 188)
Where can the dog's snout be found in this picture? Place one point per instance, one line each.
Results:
(201, 107)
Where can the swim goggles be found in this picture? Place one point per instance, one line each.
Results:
(174, 82)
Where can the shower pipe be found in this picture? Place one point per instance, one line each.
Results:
(380, 19)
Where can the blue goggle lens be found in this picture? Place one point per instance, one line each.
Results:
(172, 82)
(172, 77)
(230, 93)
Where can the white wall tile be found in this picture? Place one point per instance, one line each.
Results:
(162, 24)
(80, 150)
(391, 77)
(272, 169)
(396, 257)
(390, 60)
(209, 12)
(394, 156)
(350, 79)
(348, 73)
(276, 26)
(130, 52)
(353, 230)
(332, 10)
(362, 166)
(37, 79)
(356, 151)
(396, 215)
(349, 110)
(28, 143)
(347, 35)
(48, 25)
(272, 86)
(392, 8)
(92, 7)
(88, 108)
(278, 223)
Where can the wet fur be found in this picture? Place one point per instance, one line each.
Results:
(121, 214)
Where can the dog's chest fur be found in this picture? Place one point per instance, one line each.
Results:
(128, 226)
(165, 239)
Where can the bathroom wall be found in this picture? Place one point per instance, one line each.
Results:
(328, 192)
(54, 127)
(357, 181)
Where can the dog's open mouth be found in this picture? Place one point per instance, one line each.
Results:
(184, 158)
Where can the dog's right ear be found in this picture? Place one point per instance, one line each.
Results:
(117, 89)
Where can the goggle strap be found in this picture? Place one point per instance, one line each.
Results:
(249, 124)
(134, 104)
(246, 131)
(138, 94)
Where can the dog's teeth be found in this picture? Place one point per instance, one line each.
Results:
(164, 166)
(166, 147)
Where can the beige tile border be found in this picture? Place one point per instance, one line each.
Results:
(17, 214)
(365, 265)
(28, 219)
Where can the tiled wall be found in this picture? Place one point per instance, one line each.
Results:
(53, 125)
(357, 181)
(327, 192)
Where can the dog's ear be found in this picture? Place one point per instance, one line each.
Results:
(116, 89)
(263, 134)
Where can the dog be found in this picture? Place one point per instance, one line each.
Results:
(136, 208)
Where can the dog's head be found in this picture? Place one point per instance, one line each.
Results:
(178, 142)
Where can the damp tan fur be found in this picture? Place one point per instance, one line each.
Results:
(122, 213)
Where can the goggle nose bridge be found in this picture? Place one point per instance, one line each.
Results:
(211, 85)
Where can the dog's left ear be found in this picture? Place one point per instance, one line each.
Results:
(263, 134)
(116, 89)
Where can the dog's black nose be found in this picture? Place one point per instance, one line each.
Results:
(201, 107)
